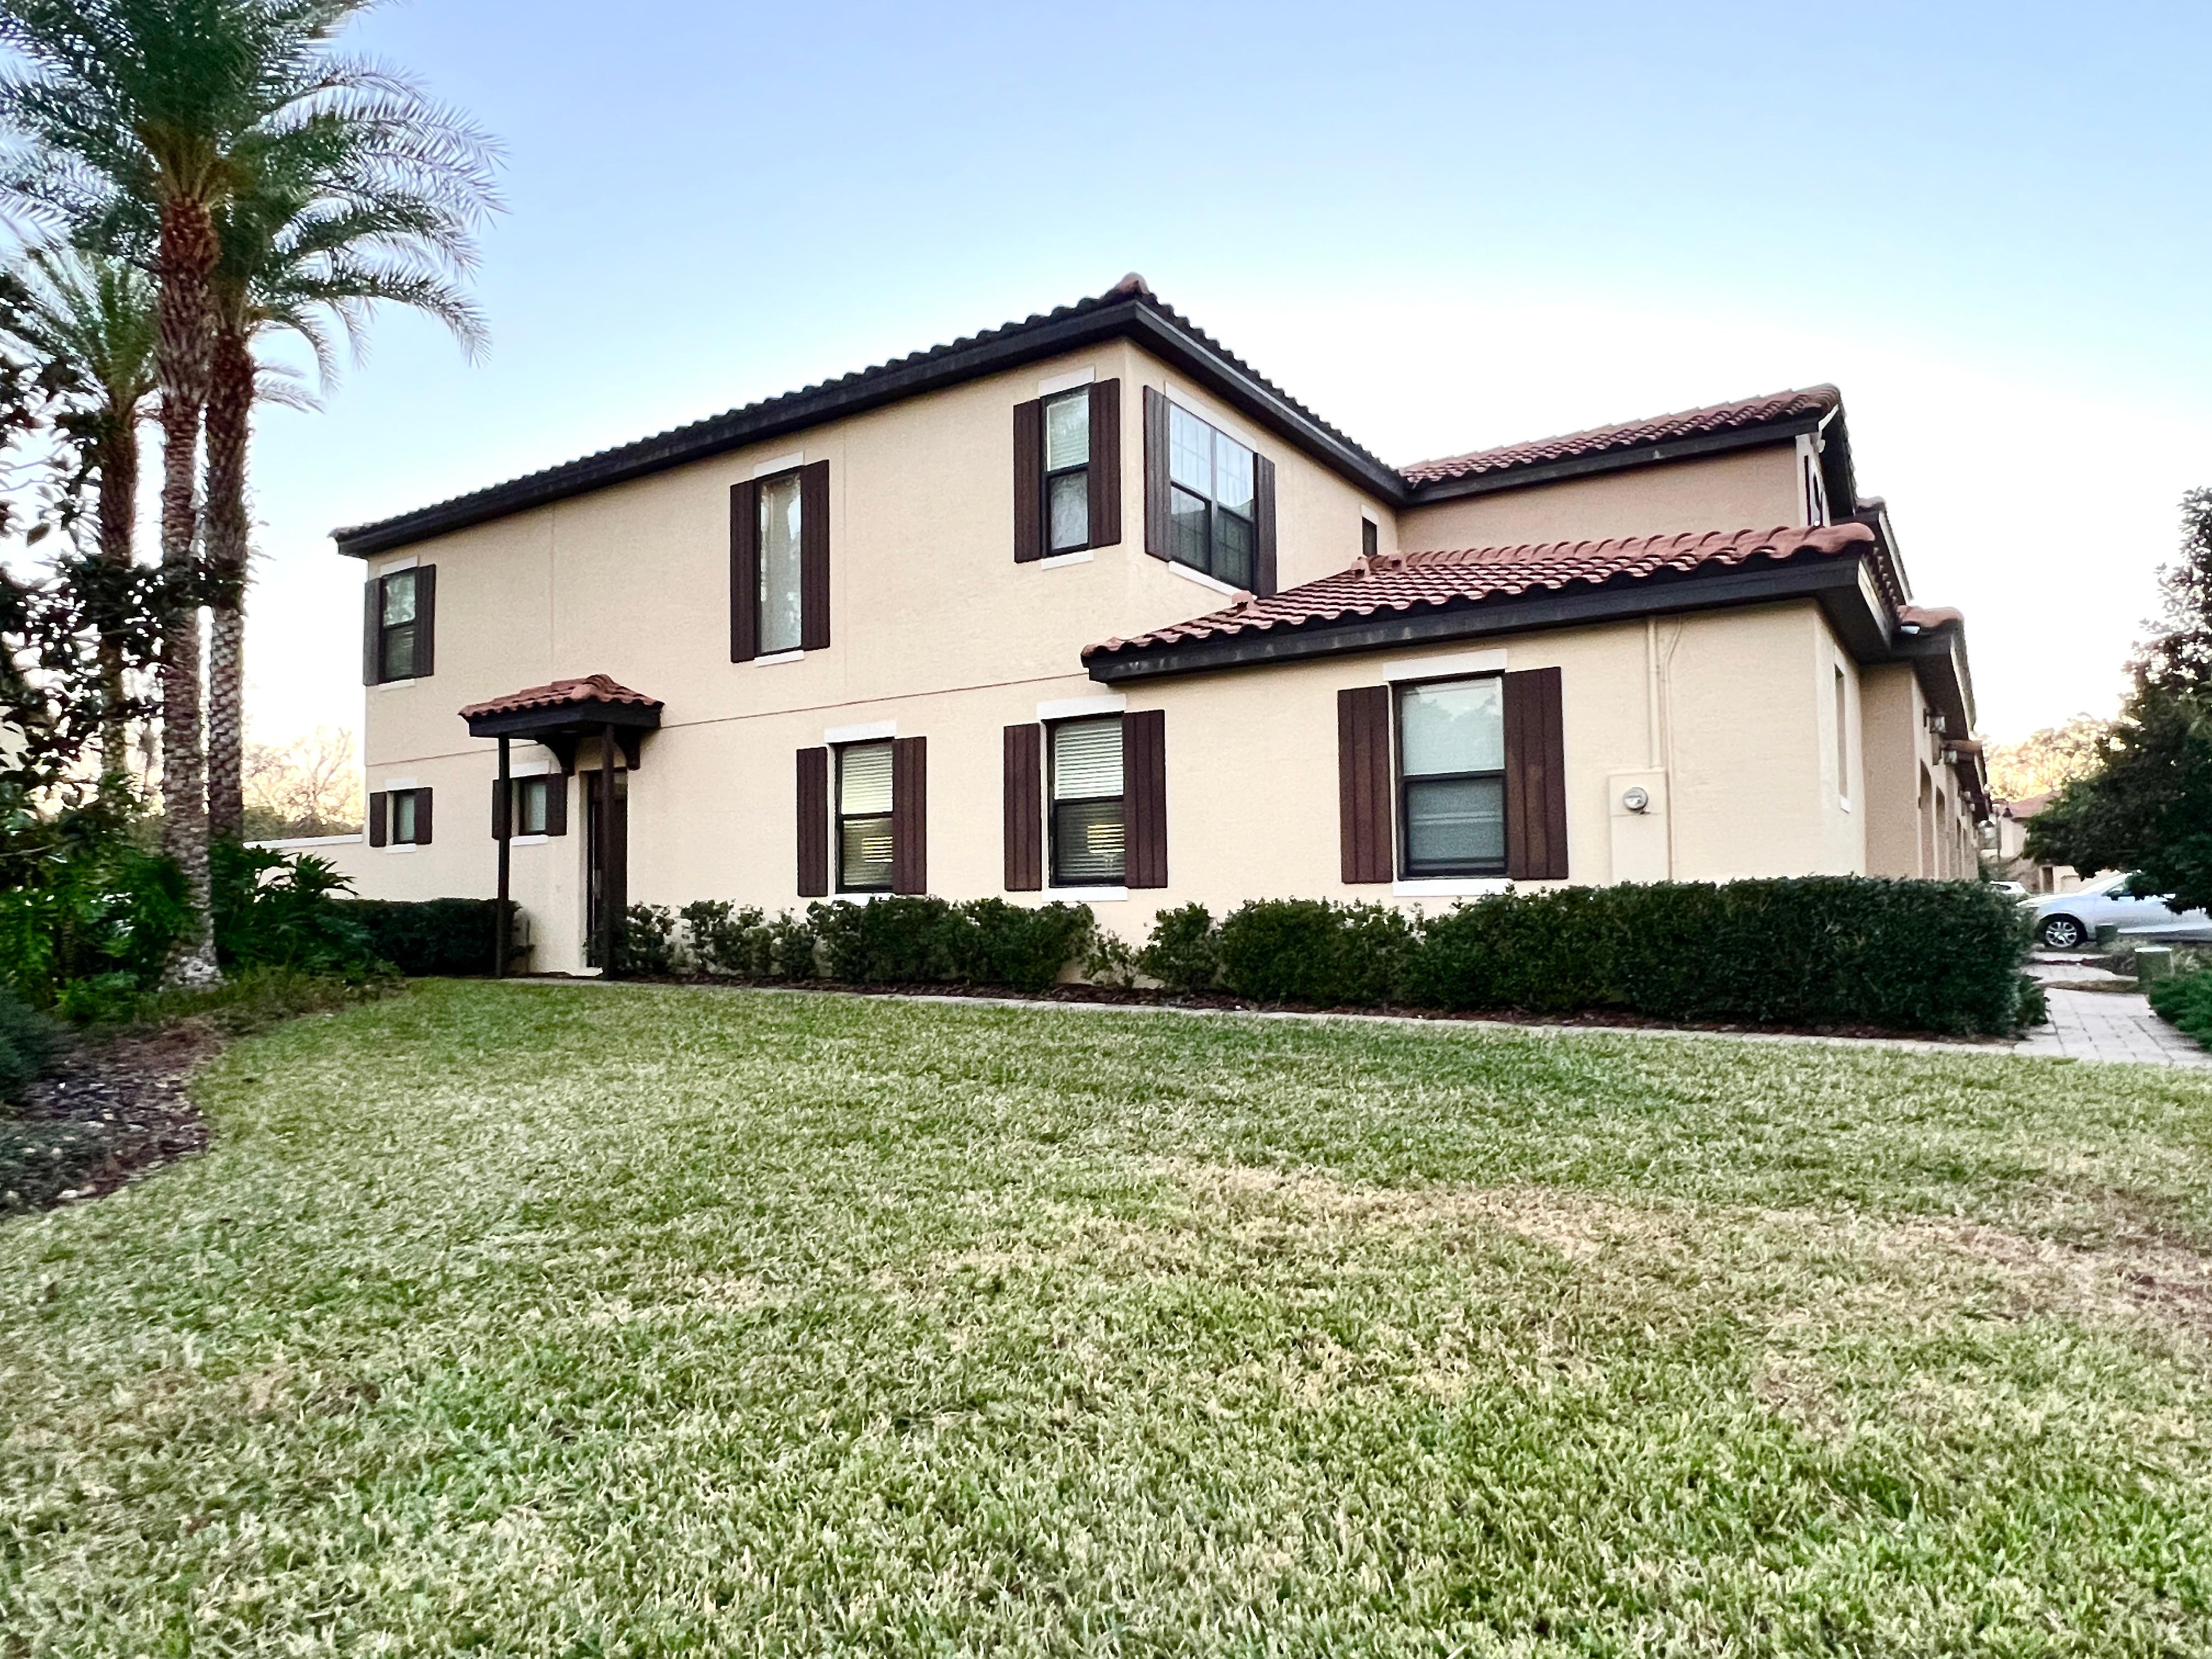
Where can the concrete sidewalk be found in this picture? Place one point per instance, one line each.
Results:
(2110, 1025)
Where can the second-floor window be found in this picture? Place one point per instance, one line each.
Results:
(401, 625)
(1067, 470)
(865, 835)
(1211, 499)
(1088, 838)
(781, 529)
(1451, 766)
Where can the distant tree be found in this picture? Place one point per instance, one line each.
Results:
(2148, 807)
(309, 786)
(2048, 759)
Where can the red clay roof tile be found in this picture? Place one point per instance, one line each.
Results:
(593, 689)
(1631, 434)
(1407, 581)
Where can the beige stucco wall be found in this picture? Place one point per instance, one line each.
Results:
(1739, 782)
(1905, 768)
(1745, 489)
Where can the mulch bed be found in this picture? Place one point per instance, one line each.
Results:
(1220, 1001)
(112, 1108)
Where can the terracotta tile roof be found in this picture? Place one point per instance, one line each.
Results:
(1928, 616)
(1412, 581)
(595, 690)
(1819, 400)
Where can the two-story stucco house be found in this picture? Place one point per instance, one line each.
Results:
(1085, 607)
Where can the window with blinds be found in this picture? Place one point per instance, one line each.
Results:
(780, 607)
(865, 839)
(396, 628)
(1451, 766)
(1088, 846)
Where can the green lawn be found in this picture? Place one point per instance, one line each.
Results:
(546, 1321)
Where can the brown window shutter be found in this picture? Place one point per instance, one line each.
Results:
(1024, 811)
(1144, 797)
(372, 614)
(1157, 529)
(379, 819)
(557, 804)
(745, 571)
(1536, 777)
(501, 802)
(813, 823)
(421, 817)
(1368, 852)
(1105, 463)
(1263, 525)
(814, 557)
(1029, 481)
(910, 815)
(426, 624)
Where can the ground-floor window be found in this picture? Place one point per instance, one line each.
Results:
(1087, 838)
(532, 797)
(1451, 768)
(864, 818)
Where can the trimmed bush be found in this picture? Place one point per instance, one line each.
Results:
(904, 940)
(1822, 950)
(648, 943)
(1311, 951)
(26, 1043)
(446, 938)
(2185, 1001)
(1184, 952)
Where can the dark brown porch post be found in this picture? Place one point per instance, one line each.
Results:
(610, 923)
(504, 817)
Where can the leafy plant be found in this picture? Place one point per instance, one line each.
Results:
(2185, 1001)
(1184, 952)
(648, 945)
(26, 1043)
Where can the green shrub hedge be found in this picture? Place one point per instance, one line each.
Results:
(446, 937)
(892, 941)
(1822, 950)
(2186, 1000)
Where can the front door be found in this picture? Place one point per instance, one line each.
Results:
(609, 858)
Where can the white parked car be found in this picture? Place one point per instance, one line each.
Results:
(2066, 922)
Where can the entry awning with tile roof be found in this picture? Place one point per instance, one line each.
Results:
(562, 712)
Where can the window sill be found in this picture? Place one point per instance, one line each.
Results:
(1450, 886)
(1089, 895)
(1177, 567)
(1054, 561)
(780, 656)
(528, 840)
(402, 847)
(399, 684)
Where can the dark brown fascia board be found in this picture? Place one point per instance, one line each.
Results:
(1136, 319)
(581, 720)
(1615, 460)
(1842, 585)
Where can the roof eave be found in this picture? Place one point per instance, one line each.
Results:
(1842, 584)
(1136, 319)
(1615, 460)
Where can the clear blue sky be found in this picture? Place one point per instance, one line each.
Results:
(1440, 225)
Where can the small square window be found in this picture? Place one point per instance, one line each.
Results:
(529, 805)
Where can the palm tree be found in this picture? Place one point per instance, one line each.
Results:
(132, 110)
(340, 220)
(87, 320)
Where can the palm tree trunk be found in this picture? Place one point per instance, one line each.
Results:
(119, 517)
(188, 255)
(230, 413)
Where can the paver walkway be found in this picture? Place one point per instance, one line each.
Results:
(2111, 1025)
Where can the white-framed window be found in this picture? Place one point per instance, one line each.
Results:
(864, 818)
(1088, 842)
(1212, 498)
(406, 809)
(1451, 772)
(398, 625)
(781, 608)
